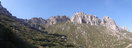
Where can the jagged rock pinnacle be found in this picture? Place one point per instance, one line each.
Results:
(85, 18)
(81, 17)
(110, 23)
(78, 18)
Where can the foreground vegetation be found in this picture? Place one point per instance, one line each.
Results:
(21, 35)
(87, 36)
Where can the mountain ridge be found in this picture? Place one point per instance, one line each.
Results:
(80, 18)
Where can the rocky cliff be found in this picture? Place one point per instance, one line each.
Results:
(85, 18)
(109, 23)
(4, 11)
(81, 17)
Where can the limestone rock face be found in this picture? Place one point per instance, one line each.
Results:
(110, 23)
(85, 18)
(57, 19)
(4, 11)
(81, 17)
(78, 18)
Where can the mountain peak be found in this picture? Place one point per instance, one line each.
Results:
(106, 17)
(81, 17)
(4, 11)
(79, 13)
(110, 23)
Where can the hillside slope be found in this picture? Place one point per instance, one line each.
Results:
(81, 31)
(63, 35)
(87, 36)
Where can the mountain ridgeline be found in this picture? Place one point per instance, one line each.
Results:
(80, 31)
(78, 18)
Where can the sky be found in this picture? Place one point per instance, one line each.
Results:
(119, 10)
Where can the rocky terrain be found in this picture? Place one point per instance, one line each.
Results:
(80, 31)
(78, 18)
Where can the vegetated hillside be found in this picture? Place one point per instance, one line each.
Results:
(29, 37)
(16, 34)
(20, 34)
(91, 36)
(9, 39)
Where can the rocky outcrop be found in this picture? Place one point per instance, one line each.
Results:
(4, 11)
(109, 23)
(125, 28)
(81, 17)
(57, 19)
(85, 18)
(36, 22)
(39, 22)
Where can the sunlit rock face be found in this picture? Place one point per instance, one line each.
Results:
(85, 18)
(81, 17)
(77, 18)
(57, 19)
(4, 11)
(124, 28)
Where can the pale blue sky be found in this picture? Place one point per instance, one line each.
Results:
(119, 10)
